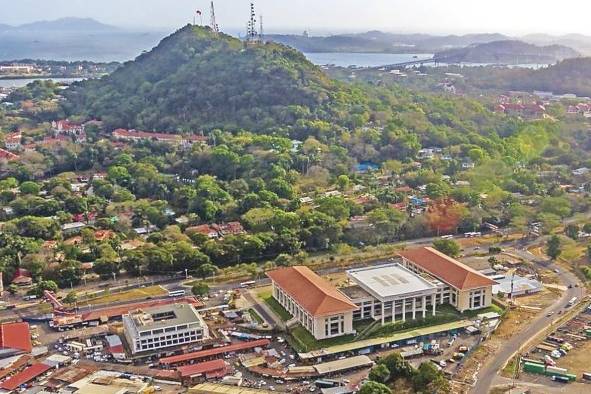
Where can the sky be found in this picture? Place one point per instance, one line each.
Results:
(323, 16)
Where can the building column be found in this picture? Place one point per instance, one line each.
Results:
(383, 313)
(424, 305)
(373, 309)
(393, 311)
(404, 309)
(434, 302)
(414, 307)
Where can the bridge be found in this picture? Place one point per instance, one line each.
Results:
(417, 62)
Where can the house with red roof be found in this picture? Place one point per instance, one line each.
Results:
(22, 277)
(12, 141)
(313, 302)
(466, 288)
(8, 156)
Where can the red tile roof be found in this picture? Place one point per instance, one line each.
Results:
(206, 367)
(317, 296)
(446, 269)
(237, 347)
(15, 336)
(14, 382)
(4, 154)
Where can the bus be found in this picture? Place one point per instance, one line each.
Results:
(572, 301)
(245, 285)
(176, 293)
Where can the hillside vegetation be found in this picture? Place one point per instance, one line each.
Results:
(197, 80)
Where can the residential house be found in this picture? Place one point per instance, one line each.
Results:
(12, 141)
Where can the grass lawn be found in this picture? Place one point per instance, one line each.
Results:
(303, 341)
(129, 295)
(272, 303)
(255, 316)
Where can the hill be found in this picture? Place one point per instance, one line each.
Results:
(67, 24)
(381, 42)
(508, 52)
(197, 80)
(568, 76)
(579, 42)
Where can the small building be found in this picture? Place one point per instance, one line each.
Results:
(73, 228)
(163, 327)
(315, 303)
(466, 288)
(515, 286)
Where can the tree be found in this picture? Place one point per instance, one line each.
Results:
(448, 247)
(45, 285)
(374, 388)
(206, 270)
(71, 297)
(553, 247)
(380, 373)
(398, 367)
(428, 379)
(572, 231)
(200, 289)
(30, 188)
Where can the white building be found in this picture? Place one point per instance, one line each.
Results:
(313, 302)
(389, 292)
(163, 327)
(465, 288)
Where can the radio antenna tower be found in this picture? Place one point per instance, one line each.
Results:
(252, 25)
(213, 23)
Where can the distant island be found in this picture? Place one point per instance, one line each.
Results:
(73, 39)
(508, 52)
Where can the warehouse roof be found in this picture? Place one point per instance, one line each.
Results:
(215, 351)
(446, 268)
(15, 336)
(25, 376)
(202, 368)
(313, 293)
(343, 365)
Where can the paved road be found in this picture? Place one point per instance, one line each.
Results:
(489, 371)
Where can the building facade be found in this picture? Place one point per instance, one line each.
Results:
(163, 327)
(464, 288)
(313, 302)
(391, 292)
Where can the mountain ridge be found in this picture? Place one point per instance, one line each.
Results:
(508, 52)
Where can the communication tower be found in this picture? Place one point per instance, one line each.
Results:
(213, 23)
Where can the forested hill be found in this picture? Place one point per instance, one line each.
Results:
(568, 76)
(195, 79)
(509, 52)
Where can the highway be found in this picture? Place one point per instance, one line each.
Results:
(488, 372)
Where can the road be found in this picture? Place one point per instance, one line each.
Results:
(488, 372)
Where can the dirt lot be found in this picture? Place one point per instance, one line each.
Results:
(578, 360)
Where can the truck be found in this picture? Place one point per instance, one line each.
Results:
(561, 379)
